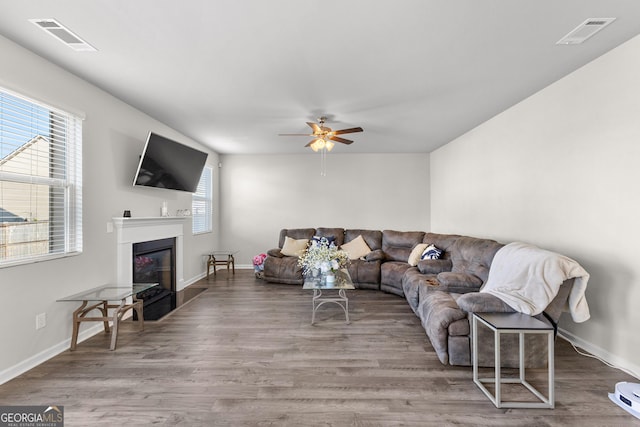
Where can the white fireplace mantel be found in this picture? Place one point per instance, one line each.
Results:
(136, 230)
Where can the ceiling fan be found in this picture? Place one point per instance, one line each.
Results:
(324, 136)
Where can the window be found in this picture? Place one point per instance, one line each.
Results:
(40, 181)
(202, 204)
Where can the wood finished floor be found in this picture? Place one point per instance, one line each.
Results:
(243, 353)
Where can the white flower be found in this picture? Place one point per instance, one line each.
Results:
(324, 256)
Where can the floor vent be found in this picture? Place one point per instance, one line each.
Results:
(63, 34)
(585, 30)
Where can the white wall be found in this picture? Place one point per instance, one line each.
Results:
(560, 170)
(261, 194)
(113, 135)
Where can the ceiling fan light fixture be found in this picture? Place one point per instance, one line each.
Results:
(325, 139)
(317, 145)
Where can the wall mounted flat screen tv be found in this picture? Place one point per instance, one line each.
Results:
(168, 164)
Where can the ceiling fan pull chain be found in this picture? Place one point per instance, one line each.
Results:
(323, 162)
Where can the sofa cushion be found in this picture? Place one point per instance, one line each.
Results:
(459, 328)
(365, 274)
(275, 252)
(416, 254)
(332, 234)
(295, 233)
(412, 284)
(473, 256)
(442, 241)
(375, 255)
(283, 270)
(437, 310)
(434, 266)
(397, 245)
(357, 248)
(479, 302)
(392, 272)
(373, 238)
(459, 282)
(294, 247)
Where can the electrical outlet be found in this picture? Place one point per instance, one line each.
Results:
(109, 227)
(41, 320)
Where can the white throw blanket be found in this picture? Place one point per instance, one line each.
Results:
(528, 279)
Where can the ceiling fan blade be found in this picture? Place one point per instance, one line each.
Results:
(309, 144)
(350, 130)
(315, 127)
(338, 139)
(295, 134)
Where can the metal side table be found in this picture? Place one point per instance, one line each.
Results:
(521, 324)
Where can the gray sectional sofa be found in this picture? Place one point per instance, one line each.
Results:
(442, 293)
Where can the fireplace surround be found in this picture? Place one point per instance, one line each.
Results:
(134, 231)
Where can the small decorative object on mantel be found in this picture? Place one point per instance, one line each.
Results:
(323, 257)
(164, 211)
(126, 214)
(258, 265)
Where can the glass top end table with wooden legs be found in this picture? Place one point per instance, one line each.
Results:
(101, 296)
(226, 258)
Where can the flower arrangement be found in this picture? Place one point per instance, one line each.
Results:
(323, 256)
(258, 264)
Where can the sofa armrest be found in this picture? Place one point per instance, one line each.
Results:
(275, 253)
(438, 310)
(376, 255)
(481, 302)
(434, 266)
(459, 282)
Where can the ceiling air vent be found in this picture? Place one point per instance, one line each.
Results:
(60, 32)
(585, 30)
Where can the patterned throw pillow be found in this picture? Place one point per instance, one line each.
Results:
(431, 252)
(330, 239)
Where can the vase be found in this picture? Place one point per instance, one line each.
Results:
(330, 278)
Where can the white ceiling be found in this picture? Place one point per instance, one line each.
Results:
(232, 74)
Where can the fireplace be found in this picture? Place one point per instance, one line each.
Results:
(134, 231)
(154, 262)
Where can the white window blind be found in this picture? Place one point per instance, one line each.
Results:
(202, 203)
(40, 181)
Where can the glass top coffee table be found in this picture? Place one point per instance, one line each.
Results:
(319, 284)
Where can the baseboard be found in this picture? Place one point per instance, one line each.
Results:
(612, 359)
(30, 363)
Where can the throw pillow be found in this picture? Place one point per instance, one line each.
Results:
(293, 247)
(357, 248)
(415, 254)
(431, 252)
(330, 239)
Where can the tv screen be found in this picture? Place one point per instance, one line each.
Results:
(168, 164)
